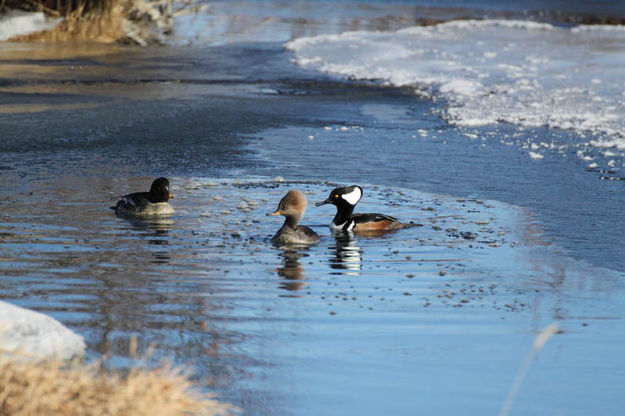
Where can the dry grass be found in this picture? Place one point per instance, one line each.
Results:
(56, 388)
(83, 23)
(60, 7)
(140, 22)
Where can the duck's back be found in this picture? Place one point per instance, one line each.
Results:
(374, 222)
(300, 235)
(138, 205)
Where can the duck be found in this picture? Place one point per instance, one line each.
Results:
(147, 204)
(345, 200)
(292, 207)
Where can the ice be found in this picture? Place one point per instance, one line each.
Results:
(493, 71)
(18, 23)
(32, 334)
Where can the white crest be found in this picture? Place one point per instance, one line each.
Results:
(353, 197)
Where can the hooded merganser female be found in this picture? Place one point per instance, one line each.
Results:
(292, 206)
(345, 200)
(147, 204)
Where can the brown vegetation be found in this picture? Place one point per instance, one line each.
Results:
(128, 21)
(56, 388)
(60, 7)
(80, 24)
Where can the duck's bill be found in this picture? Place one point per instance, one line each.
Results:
(327, 201)
(273, 213)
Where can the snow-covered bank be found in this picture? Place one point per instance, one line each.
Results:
(33, 334)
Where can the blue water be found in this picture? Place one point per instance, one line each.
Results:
(418, 321)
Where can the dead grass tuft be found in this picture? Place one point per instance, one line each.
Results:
(55, 388)
(126, 21)
(59, 7)
(102, 25)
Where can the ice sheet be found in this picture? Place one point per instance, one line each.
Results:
(493, 71)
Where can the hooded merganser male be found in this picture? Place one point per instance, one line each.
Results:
(147, 204)
(345, 200)
(292, 206)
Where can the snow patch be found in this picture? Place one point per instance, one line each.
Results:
(36, 335)
(18, 23)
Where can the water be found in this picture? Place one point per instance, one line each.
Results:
(278, 330)
(365, 325)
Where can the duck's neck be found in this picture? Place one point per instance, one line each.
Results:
(291, 221)
(342, 214)
(155, 197)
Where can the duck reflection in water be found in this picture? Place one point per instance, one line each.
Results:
(292, 271)
(347, 258)
(156, 231)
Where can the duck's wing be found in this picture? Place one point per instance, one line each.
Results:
(135, 200)
(372, 217)
(308, 232)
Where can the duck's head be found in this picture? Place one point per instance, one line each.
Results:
(292, 206)
(159, 191)
(346, 196)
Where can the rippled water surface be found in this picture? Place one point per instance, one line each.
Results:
(436, 319)
(284, 330)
